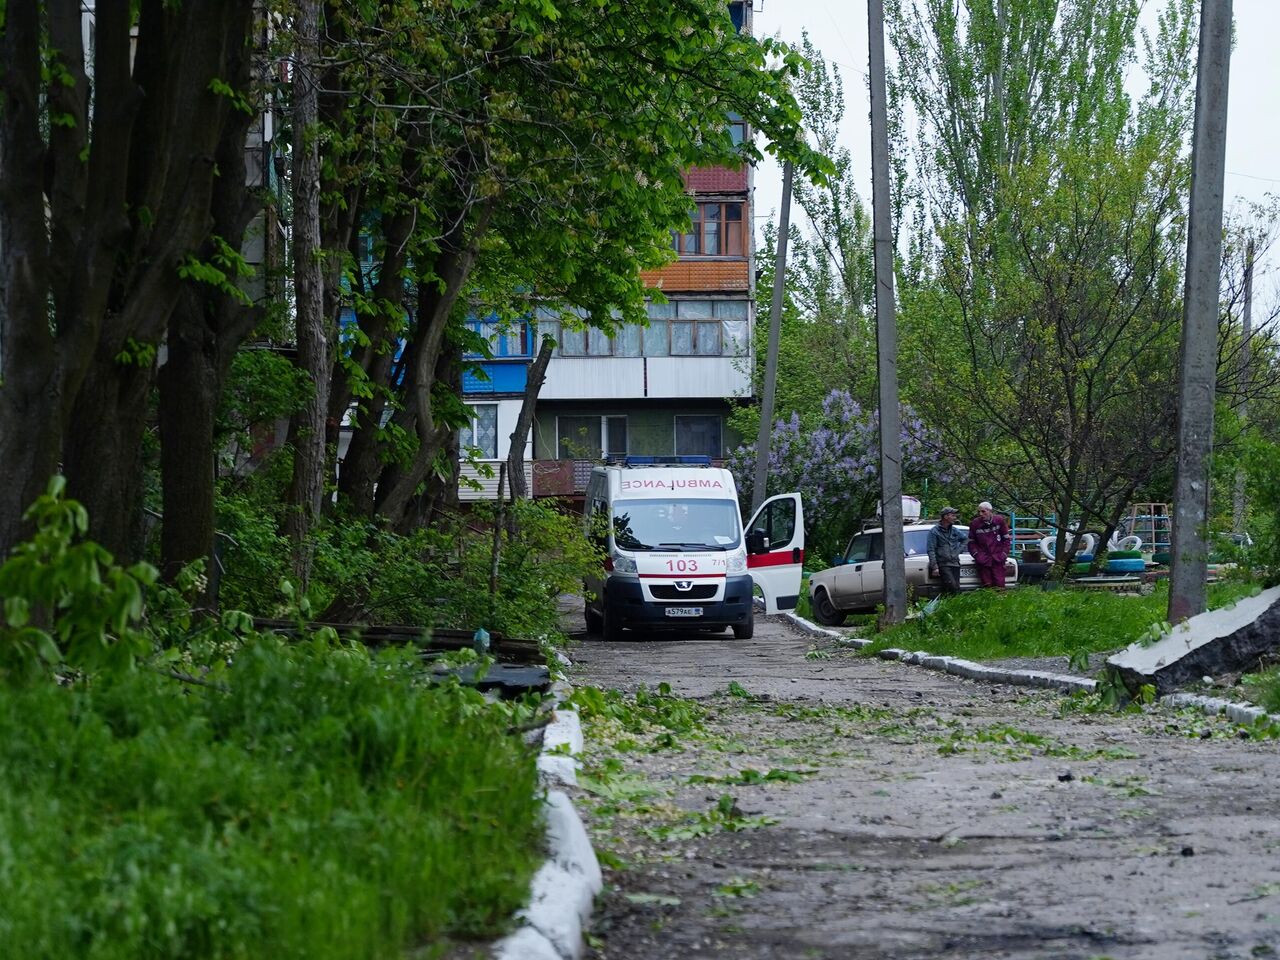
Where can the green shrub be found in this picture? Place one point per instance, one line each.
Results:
(1262, 464)
(308, 801)
(178, 788)
(65, 601)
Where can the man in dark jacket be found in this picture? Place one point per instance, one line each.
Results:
(946, 543)
(989, 544)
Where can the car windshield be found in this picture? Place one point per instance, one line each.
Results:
(676, 524)
(916, 542)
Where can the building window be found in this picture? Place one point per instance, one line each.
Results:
(738, 14)
(737, 129)
(698, 436)
(697, 328)
(715, 231)
(504, 339)
(628, 341)
(481, 434)
(591, 438)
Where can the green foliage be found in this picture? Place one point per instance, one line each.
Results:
(1262, 462)
(237, 99)
(67, 604)
(1264, 688)
(224, 267)
(724, 815)
(305, 801)
(136, 354)
(641, 713)
(263, 387)
(435, 576)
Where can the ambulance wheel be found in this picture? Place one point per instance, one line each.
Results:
(745, 631)
(595, 622)
(610, 628)
(825, 612)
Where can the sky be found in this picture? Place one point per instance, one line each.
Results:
(838, 28)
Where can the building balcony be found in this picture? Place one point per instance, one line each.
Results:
(696, 275)
(718, 179)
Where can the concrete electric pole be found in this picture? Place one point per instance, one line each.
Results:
(1197, 372)
(765, 436)
(1246, 349)
(895, 575)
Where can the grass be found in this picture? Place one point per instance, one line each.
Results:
(309, 801)
(985, 625)
(1263, 688)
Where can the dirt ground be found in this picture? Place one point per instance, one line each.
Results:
(916, 815)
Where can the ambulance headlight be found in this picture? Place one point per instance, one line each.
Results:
(624, 565)
(737, 563)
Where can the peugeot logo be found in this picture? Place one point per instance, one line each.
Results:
(684, 584)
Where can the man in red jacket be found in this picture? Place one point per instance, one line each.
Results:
(989, 544)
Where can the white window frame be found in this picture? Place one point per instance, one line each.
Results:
(604, 430)
(473, 429)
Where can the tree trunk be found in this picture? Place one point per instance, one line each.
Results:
(520, 435)
(102, 453)
(308, 431)
(29, 388)
(205, 331)
(362, 463)
(435, 307)
(188, 398)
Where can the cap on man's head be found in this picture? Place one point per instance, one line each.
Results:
(985, 505)
(946, 510)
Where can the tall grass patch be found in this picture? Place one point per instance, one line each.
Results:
(986, 625)
(303, 801)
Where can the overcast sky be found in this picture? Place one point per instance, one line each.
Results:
(839, 29)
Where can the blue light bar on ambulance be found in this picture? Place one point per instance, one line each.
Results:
(691, 460)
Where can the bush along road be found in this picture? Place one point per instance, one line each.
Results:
(777, 798)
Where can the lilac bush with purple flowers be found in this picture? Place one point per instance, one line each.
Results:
(834, 464)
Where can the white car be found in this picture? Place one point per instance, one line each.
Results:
(856, 582)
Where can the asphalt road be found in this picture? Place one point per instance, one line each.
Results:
(918, 815)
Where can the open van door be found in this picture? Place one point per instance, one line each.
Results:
(775, 551)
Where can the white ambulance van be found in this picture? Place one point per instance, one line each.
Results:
(677, 554)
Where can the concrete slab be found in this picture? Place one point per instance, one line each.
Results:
(1210, 644)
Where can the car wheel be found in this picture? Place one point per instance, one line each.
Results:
(595, 622)
(825, 612)
(745, 631)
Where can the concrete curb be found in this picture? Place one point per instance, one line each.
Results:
(1213, 706)
(1239, 713)
(565, 886)
(814, 630)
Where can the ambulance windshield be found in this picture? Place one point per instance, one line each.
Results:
(676, 524)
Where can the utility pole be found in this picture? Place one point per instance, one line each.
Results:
(1197, 371)
(765, 436)
(1246, 349)
(895, 573)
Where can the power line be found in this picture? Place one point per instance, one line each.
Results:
(1250, 176)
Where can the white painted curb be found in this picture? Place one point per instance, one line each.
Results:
(565, 886)
(564, 732)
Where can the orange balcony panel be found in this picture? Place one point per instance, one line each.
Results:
(691, 276)
(717, 179)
